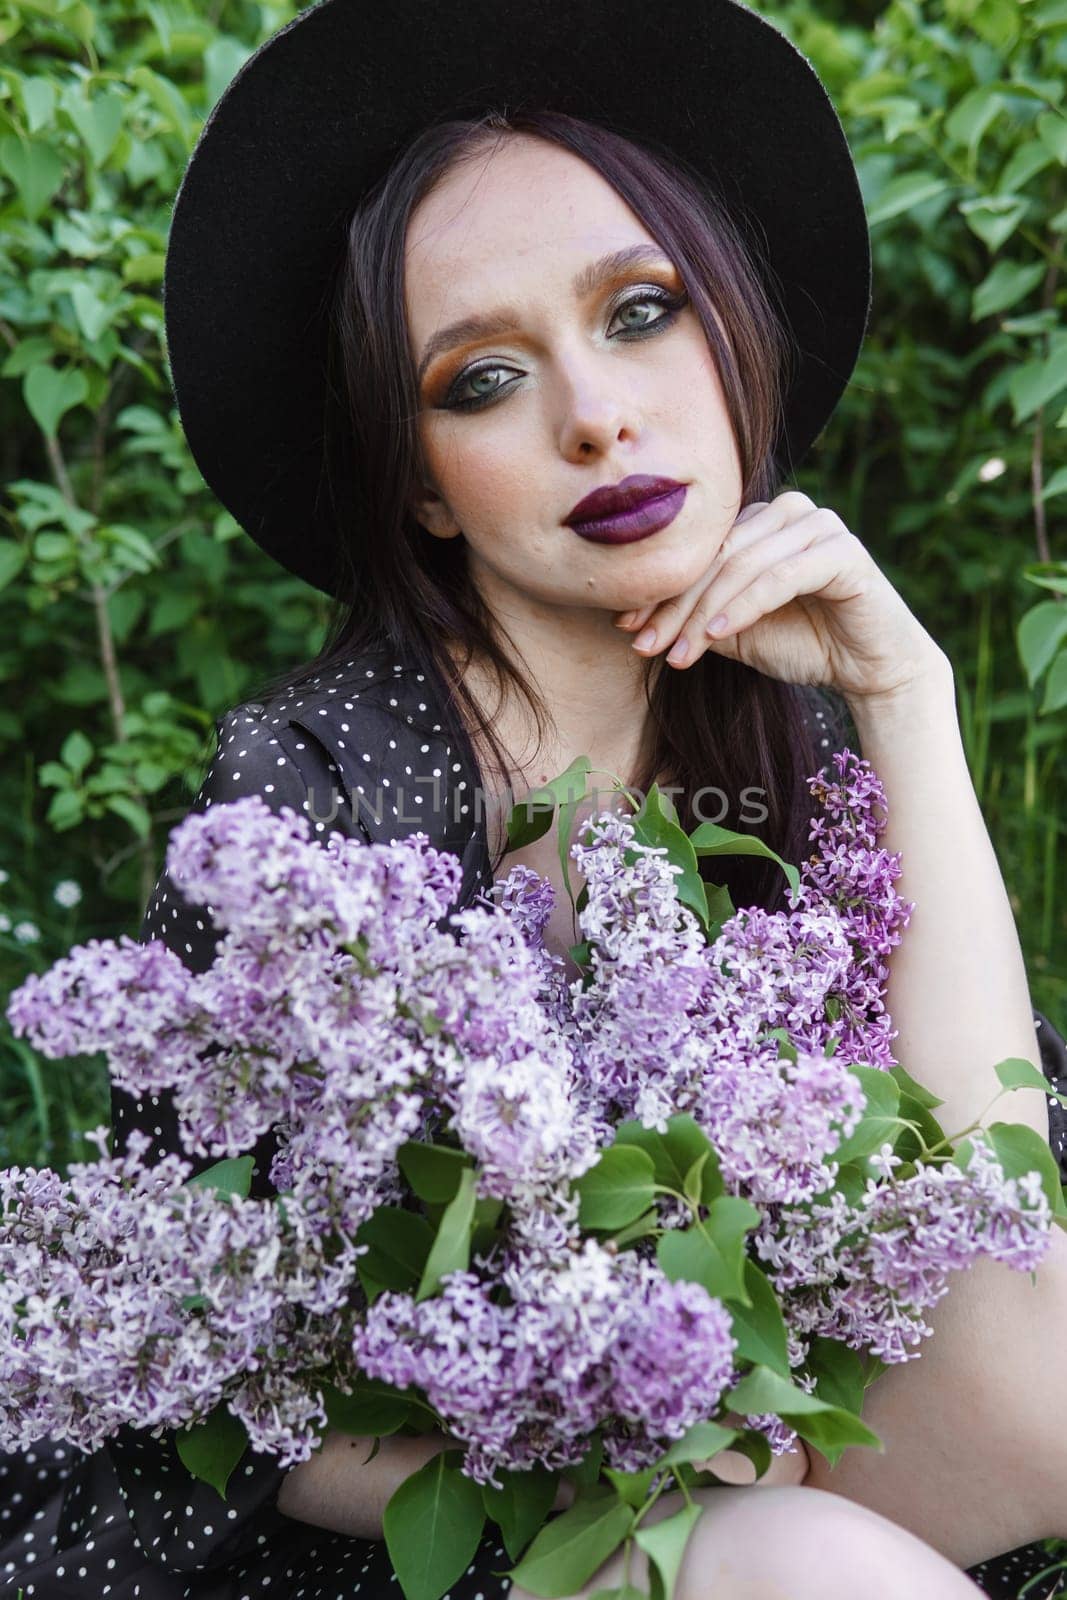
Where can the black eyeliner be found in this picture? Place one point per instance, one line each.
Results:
(672, 303)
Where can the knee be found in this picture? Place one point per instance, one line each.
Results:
(790, 1543)
(798, 1543)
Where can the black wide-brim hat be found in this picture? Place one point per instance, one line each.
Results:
(314, 118)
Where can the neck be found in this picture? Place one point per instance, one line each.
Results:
(593, 687)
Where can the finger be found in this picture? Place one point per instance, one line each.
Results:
(634, 619)
(774, 552)
(808, 571)
(787, 506)
(663, 625)
(731, 1466)
(769, 515)
(667, 619)
(750, 511)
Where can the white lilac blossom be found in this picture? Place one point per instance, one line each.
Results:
(348, 1013)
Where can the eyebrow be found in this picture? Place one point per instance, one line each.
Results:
(504, 318)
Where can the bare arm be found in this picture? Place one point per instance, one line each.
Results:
(339, 1489)
(957, 990)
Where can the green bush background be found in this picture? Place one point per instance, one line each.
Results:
(133, 610)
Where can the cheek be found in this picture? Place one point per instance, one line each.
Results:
(490, 483)
(700, 411)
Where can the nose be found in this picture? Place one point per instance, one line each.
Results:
(596, 403)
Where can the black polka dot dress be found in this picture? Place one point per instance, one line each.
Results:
(373, 754)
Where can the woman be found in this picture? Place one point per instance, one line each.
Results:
(483, 639)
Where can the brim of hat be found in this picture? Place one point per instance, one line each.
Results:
(317, 113)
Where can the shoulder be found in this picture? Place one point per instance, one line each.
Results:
(367, 748)
(373, 689)
(379, 728)
(249, 759)
(291, 746)
(252, 757)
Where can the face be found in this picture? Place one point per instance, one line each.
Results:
(580, 390)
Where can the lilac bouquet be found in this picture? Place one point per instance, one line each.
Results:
(604, 1227)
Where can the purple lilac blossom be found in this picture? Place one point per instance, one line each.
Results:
(133, 1000)
(634, 1023)
(596, 1335)
(340, 1014)
(864, 1274)
(527, 900)
(96, 1274)
(850, 871)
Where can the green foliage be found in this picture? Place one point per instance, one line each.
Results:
(133, 610)
(231, 1176)
(447, 1509)
(521, 1505)
(211, 1449)
(568, 1550)
(947, 454)
(451, 1249)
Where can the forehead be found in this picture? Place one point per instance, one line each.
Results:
(523, 212)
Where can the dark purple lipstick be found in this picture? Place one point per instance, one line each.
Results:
(626, 511)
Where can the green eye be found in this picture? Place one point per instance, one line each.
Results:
(671, 304)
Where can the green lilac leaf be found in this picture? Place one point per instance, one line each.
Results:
(520, 1506)
(759, 1327)
(432, 1526)
(699, 1443)
(232, 1176)
(570, 1548)
(709, 839)
(673, 1152)
(211, 1449)
(451, 1249)
(372, 1409)
(432, 1170)
(399, 1243)
(617, 1190)
(665, 1542)
(1017, 1073)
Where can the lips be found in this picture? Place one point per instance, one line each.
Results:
(632, 492)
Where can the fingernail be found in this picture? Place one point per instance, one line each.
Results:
(626, 619)
(679, 652)
(717, 624)
(645, 639)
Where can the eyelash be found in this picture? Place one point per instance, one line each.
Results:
(672, 305)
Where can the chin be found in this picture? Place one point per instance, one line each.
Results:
(677, 571)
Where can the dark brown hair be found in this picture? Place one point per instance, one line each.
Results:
(717, 723)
